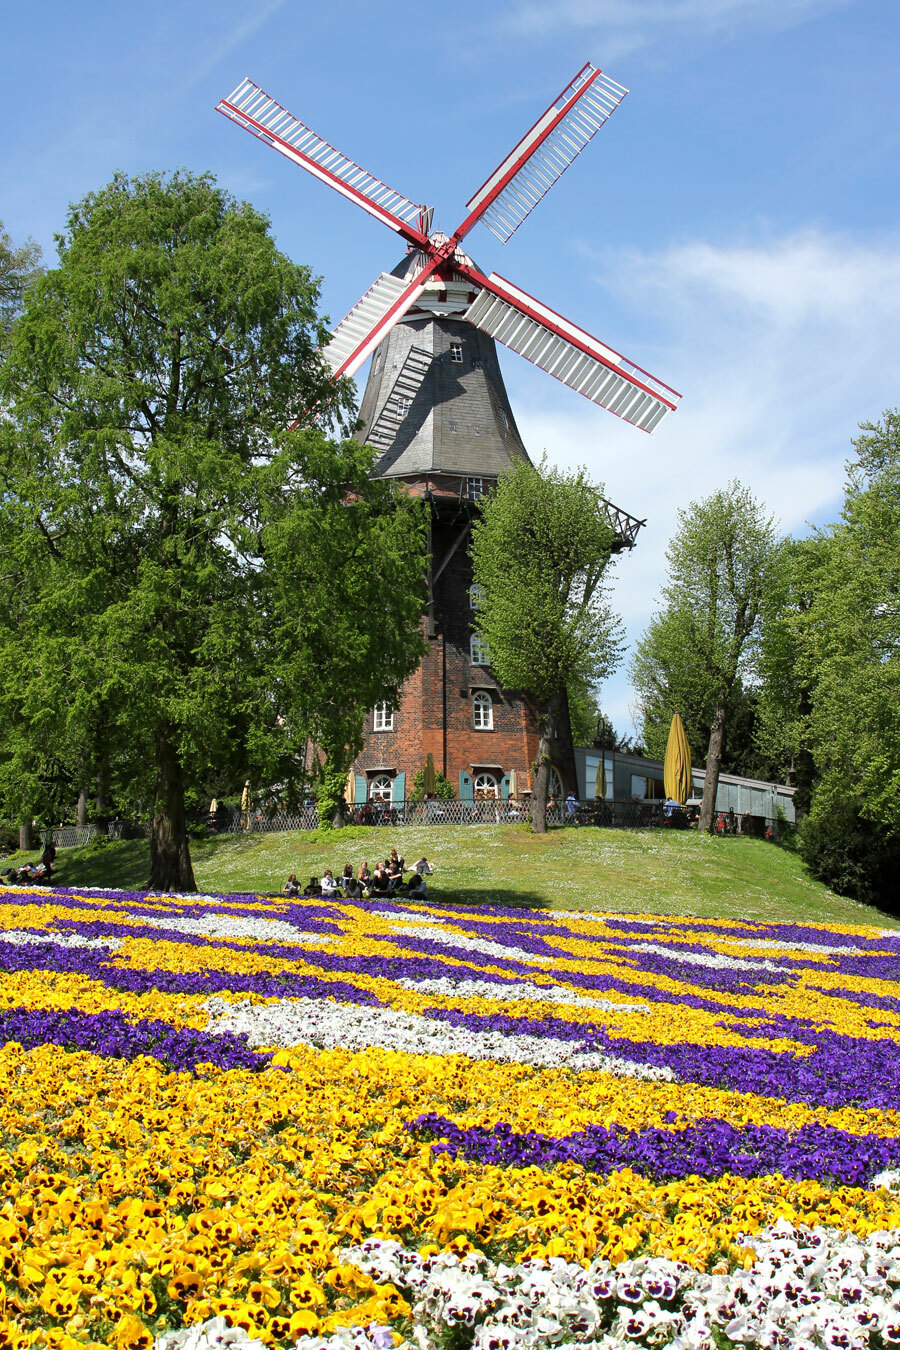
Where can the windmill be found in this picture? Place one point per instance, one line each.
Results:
(507, 197)
(435, 405)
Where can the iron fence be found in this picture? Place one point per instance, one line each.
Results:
(489, 811)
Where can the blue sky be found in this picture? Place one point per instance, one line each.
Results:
(733, 228)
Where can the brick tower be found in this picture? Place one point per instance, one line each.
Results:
(436, 407)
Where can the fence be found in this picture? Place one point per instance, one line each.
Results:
(490, 811)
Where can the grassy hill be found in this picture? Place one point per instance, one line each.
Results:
(633, 871)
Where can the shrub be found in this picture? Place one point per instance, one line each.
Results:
(856, 857)
(443, 788)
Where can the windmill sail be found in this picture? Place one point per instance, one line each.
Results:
(252, 108)
(544, 153)
(511, 316)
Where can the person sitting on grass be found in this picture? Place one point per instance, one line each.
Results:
(346, 878)
(330, 888)
(423, 867)
(415, 888)
(351, 887)
(291, 886)
(381, 883)
(313, 890)
(48, 857)
(394, 868)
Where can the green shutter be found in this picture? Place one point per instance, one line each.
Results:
(466, 787)
(359, 789)
(398, 788)
(504, 787)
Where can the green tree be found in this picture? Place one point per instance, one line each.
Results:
(187, 579)
(540, 550)
(702, 645)
(19, 266)
(846, 643)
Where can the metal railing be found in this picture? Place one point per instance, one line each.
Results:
(630, 815)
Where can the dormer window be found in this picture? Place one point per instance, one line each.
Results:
(456, 353)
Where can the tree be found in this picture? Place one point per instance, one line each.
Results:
(19, 266)
(847, 654)
(540, 550)
(700, 647)
(185, 577)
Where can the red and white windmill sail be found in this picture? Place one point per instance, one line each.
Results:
(501, 309)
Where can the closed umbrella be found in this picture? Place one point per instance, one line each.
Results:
(350, 788)
(677, 766)
(429, 775)
(601, 779)
(513, 784)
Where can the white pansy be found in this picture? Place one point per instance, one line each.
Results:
(20, 938)
(448, 938)
(714, 960)
(238, 926)
(447, 987)
(215, 1334)
(817, 948)
(401, 916)
(890, 1179)
(328, 1025)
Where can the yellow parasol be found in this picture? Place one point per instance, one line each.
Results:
(677, 767)
(429, 775)
(600, 790)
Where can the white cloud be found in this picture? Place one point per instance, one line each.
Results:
(630, 24)
(780, 348)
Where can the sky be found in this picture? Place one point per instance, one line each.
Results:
(734, 228)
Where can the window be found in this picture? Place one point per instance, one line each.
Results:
(554, 785)
(456, 355)
(478, 652)
(486, 785)
(380, 788)
(453, 425)
(474, 486)
(476, 595)
(384, 718)
(402, 405)
(483, 712)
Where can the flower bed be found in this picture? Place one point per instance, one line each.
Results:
(231, 1119)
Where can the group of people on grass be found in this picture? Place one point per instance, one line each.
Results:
(39, 871)
(385, 879)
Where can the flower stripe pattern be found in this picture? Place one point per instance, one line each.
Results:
(232, 1119)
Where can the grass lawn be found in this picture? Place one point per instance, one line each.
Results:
(625, 870)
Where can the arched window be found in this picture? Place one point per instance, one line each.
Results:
(380, 788)
(554, 784)
(476, 595)
(384, 718)
(486, 785)
(482, 712)
(478, 652)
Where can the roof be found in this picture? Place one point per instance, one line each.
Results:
(435, 401)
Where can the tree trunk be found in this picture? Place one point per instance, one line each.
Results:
(26, 836)
(170, 858)
(337, 815)
(100, 801)
(81, 809)
(713, 768)
(542, 764)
